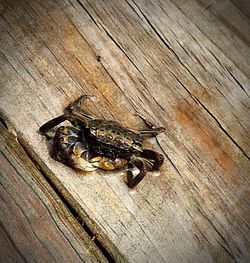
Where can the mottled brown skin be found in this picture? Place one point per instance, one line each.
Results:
(96, 143)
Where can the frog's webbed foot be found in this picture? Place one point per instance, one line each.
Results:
(148, 161)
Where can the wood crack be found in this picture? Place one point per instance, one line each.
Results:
(227, 249)
(48, 210)
(203, 235)
(86, 10)
(12, 242)
(237, 81)
(24, 214)
(168, 46)
(229, 71)
(69, 207)
(176, 63)
(166, 155)
(214, 118)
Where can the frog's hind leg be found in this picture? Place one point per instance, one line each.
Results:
(152, 130)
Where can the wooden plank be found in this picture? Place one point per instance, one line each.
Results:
(225, 23)
(35, 226)
(154, 60)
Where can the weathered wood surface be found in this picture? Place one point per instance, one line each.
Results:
(35, 226)
(182, 64)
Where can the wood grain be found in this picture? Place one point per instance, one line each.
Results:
(35, 226)
(169, 62)
(226, 24)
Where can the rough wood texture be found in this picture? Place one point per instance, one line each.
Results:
(182, 64)
(35, 226)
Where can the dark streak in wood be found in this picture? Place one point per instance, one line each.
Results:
(12, 242)
(31, 194)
